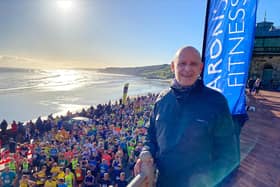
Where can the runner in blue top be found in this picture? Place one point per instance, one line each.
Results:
(8, 178)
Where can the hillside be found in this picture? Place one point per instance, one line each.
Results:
(150, 72)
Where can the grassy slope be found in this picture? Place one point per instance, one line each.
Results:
(150, 72)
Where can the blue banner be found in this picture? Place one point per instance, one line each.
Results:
(229, 44)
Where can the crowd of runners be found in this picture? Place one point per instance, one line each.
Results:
(95, 147)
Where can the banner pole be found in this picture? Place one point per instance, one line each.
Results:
(205, 35)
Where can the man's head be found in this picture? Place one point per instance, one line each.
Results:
(88, 172)
(122, 176)
(60, 181)
(187, 66)
(54, 164)
(24, 177)
(7, 168)
(106, 176)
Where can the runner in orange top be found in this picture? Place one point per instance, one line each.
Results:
(79, 176)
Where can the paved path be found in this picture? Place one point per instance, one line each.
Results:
(260, 144)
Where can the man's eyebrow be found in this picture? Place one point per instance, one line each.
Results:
(197, 62)
(183, 61)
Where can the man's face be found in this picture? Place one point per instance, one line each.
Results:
(122, 176)
(187, 66)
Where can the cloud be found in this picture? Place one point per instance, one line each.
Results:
(19, 62)
(24, 62)
(34, 63)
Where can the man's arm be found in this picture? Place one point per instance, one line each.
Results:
(151, 142)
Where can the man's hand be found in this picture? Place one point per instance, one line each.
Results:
(137, 167)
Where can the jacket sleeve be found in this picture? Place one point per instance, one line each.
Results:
(226, 153)
(151, 142)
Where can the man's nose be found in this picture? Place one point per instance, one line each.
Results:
(187, 67)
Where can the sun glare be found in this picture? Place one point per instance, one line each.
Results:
(62, 80)
(65, 5)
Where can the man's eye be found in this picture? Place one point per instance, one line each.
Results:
(194, 64)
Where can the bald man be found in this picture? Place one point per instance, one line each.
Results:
(191, 134)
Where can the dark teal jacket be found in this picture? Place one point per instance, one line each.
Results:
(191, 137)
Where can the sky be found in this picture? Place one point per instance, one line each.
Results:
(103, 33)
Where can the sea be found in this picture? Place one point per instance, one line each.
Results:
(26, 94)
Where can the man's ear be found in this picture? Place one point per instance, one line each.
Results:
(172, 67)
(201, 66)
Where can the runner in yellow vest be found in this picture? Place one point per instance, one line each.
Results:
(140, 122)
(55, 170)
(40, 176)
(74, 163)
(25, 166)
(50, 182)
(23, 182)
(61, 174)
(69, 178)
(26, 182)
(12, 165)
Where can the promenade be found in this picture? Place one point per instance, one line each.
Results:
(260, 144)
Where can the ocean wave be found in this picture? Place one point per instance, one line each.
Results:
(17, 88)
(9, 70)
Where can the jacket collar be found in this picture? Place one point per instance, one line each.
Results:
(182, 92)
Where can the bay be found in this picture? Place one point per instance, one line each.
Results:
(26, 94)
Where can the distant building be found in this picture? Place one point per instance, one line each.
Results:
(266, 55)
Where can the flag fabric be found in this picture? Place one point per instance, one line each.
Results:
(229, 39)
(125, 90)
